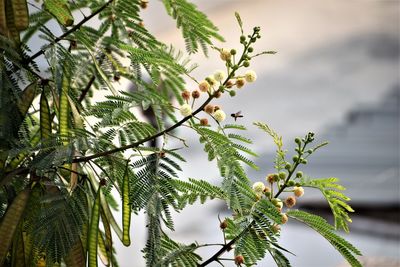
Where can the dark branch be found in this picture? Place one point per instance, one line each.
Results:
(86, 90)
(73, 29)
(136, 144)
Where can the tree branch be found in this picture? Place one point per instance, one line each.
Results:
(225, 248)
(179, 123)
(136, 144)
(73, 29)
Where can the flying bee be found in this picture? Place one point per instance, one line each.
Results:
(237, 115)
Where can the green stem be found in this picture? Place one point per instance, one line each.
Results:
(73, 29)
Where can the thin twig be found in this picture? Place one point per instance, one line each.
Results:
(73, 29)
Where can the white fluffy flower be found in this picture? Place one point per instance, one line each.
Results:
(219, 75)
(185, 110)
(298, 191)
(219, 115)
(204, 86)
(250, 76)
(258, 187)
(225, 54)
(211, 80)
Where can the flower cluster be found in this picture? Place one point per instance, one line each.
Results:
(222, 81)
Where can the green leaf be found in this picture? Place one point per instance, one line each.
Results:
(331, 190)
(93, 231)
(320, 225)
(197, 29)
(60, 10)
(10, 222)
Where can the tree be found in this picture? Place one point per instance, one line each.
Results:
(62, 151)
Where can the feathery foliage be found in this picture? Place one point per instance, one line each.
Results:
(331, 190)
(327, 231)
(76, 145)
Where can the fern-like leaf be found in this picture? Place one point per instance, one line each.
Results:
(196, 189)
(320, 225)
(331, 190)
(197, 29)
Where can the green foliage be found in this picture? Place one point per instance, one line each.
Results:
(194, 190)
(176, 254)
(197, 29)
(331, 190)
(280, 152)
(78, 158)
(327, 231)
(59, 9)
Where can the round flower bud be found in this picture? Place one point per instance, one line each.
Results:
(219, 115)
(144, 3)
(242, 38)
(217, 94)
(246, 63)
(239, 259)
(225, 54)
(282, 175)
(299, 174)
(219, 75)
(291, 183)
(258, 187)
(240, 82)
(223, 225)
(232, 93)
(304, 161)
(295, 158)
(204, 86)
(297, 140)
(290, 201)
(112, 17)
(186, 95)
(233, 52)
(250, 49)
(211, 80)
(196, 94)
(310, 151)
(277, 202)
(229, 83)
(250, 76)
(185, 110)
(276, 228)
(271, 178)
(288, 166)
(209, 109)
(284, 218)
(203, 122)
(298, 191)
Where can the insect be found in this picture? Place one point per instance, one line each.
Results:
(237, 115)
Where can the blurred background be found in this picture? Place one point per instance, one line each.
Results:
(336, 73)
